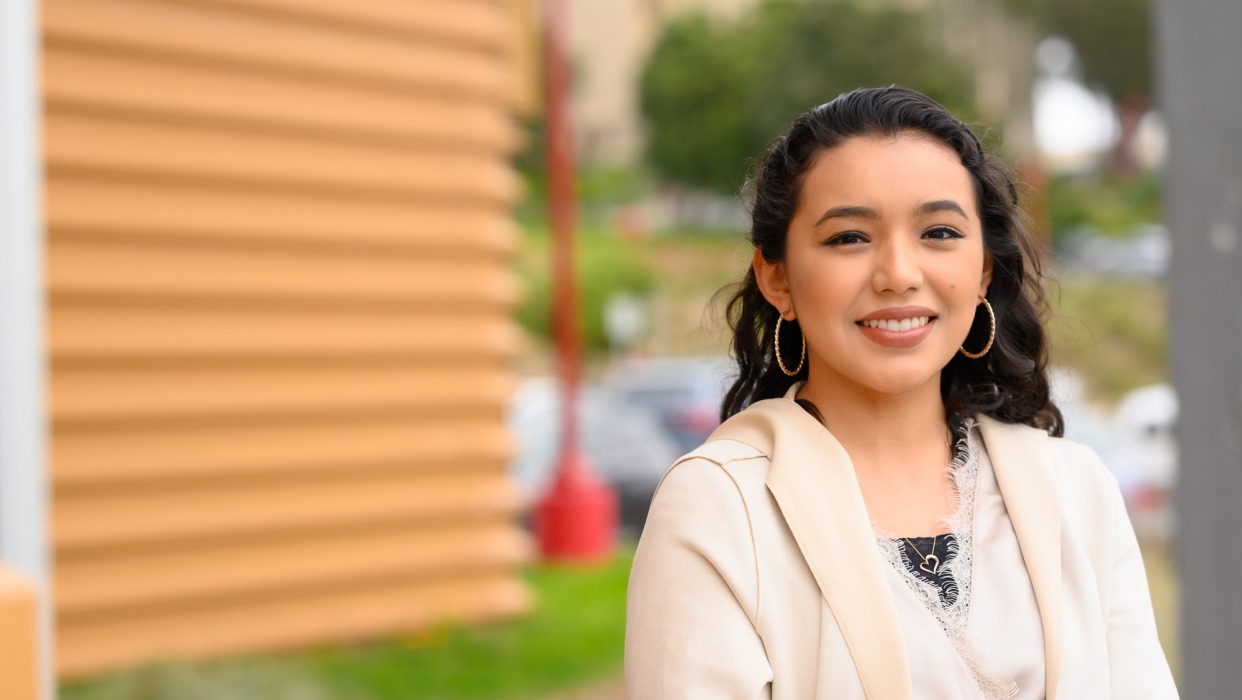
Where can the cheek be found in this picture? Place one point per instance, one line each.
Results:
(810, 284)
(968, 274)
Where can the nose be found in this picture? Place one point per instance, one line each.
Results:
(897, 266)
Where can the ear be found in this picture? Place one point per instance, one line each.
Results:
(986, 279)
(773, 284)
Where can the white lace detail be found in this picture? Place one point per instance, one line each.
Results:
(964, 469)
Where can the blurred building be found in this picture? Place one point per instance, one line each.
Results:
(278, 322)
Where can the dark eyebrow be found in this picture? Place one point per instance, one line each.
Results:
(940, 205)
(849, 213)
(858, 212)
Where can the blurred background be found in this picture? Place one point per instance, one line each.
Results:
(303, 387)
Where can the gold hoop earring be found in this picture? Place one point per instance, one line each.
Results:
(779, 361)
(991, 335)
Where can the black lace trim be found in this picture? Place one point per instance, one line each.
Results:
(945, 549)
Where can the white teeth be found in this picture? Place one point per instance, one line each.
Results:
(892, 324)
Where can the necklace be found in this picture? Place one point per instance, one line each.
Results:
(931, 560)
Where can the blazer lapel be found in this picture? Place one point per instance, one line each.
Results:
(1020, 455)
(813, 482)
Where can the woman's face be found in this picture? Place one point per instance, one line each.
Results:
(884, 264)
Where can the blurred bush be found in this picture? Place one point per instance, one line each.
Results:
(607, 264)
(1109, 204)
(1113, 331)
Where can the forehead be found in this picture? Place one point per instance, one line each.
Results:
(888, 173)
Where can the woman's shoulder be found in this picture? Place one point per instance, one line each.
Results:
(1074, 467)
(716, 464)
(738, 450)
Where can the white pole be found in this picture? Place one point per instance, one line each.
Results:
(23, 425)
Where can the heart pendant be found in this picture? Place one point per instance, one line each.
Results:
(934, 561)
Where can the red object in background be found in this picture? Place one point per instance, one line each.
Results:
(577, 520)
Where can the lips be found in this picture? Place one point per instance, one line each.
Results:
(898, 327)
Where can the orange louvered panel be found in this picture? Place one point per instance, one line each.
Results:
(279, 325)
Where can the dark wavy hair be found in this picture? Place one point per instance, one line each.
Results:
(1010, 383)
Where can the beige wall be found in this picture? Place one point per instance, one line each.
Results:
(278, 265)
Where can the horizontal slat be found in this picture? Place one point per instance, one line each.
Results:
(83, 457)
(79, 332)
(188, 575)
(251, 507)
(252, 40)
(103, 145)
(102, 81)
(281, 622)
(89, 270)
(480, 23)
(111, 208)
(240, 393)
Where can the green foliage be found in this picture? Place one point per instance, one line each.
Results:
(694, 95)
(1110, 204)
(606, 265)
(1113, 331)
(714, 94)
(575, 635)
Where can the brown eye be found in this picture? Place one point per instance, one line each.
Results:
(942, 233)
(847, 238)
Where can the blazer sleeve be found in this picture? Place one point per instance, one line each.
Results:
(693, 598)
(1137, 664)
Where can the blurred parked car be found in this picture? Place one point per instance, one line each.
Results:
(1136, 440)
(1148, 416)
(1143, 252)
(684, 392)
(626, 444)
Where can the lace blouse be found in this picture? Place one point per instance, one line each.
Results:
(1006, 660)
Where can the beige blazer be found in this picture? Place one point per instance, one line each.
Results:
(757, 574)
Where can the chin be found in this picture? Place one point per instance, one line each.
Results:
(901, 381)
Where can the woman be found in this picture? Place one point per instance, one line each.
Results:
(888, 510)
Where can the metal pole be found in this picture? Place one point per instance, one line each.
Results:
(562, 202)
(1198, 55)
(577, 520)
(23, 429)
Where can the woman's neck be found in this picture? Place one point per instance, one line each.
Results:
(877, 426)
(900, 449)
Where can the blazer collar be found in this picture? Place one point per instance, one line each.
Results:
(1021, 457)
(812, 479)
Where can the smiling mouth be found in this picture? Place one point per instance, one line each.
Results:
(897, 325)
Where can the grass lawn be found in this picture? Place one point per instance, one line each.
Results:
(574, 636)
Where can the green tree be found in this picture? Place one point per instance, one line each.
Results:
(694, 96)
(715, 93)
